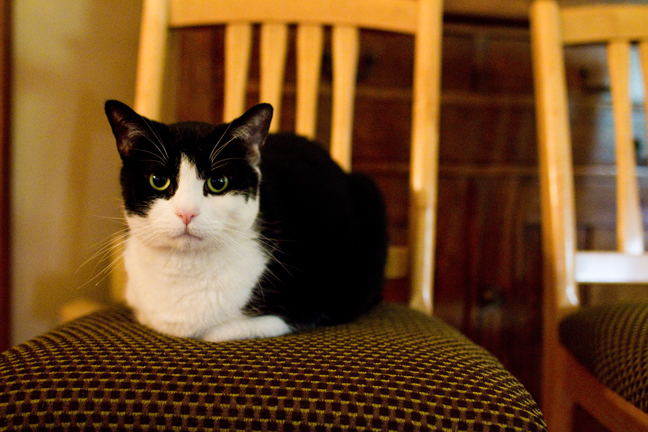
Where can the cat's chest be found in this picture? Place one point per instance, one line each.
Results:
(183, 292)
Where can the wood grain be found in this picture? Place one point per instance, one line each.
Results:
(310, 46)
(151, 57)
(392, 15)
(238, 44)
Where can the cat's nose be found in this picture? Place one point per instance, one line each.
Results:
(187, 215)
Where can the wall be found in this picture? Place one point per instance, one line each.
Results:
(69, 57)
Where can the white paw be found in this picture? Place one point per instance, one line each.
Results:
(248, 328)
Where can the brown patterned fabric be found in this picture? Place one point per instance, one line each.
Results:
(393, 369)
(611, 341)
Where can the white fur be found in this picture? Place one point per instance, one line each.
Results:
(193, 280)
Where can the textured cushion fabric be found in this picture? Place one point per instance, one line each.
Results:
(611, 341)
(393, 369)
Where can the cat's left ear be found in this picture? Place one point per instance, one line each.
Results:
(252, 127)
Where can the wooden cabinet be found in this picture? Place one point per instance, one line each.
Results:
(489, 263)
(489, 272)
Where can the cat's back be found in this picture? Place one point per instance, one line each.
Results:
(288, 154)
(303, 187)
(331, 225)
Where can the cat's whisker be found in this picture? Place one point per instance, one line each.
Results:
(146, 237)
(159, 145)
(160, 158)
(105, 253)
(231, 241)
(245, 235)
(156, 144)
(221, 163)
(106, 247)
(215, 155)
(229, 244)
(103, 249)
(270, 243)
(118, 219)
(153, 161)
(283, 265)
(114, 264)
(212, 156)
(105, 273)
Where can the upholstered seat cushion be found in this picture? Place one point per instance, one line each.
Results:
(611, 341)
(392, 369)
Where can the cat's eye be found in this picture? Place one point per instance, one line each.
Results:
(159, 182)
(217, 184)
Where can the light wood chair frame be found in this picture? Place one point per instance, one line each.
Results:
(565, 381)
(421, 18)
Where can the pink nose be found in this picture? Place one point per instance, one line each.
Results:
(187, 215)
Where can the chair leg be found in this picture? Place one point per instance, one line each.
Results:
(560, 413)
(557, 405)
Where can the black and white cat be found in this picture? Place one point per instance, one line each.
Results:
(237, 234)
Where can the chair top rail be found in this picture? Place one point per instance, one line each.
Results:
(604, 23)
(390, 15)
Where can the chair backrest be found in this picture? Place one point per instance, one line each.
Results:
(421, 18)
(618, 28)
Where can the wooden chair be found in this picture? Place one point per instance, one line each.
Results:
(395, 368)
(596, 357)
(421, 18)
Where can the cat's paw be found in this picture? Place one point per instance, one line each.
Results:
(248, 328)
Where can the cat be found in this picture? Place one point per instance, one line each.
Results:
(236, 233)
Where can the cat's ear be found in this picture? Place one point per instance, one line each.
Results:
(126, 124)
(252, 127)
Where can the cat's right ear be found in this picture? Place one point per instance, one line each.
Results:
(126, 124)
(253, 126)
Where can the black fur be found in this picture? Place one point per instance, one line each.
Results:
(326, 229)
(137, 142)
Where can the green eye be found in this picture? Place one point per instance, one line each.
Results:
(217, 184)
(159, 182)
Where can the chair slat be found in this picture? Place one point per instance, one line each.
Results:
(643, 60)
(346, 46)
(629, 225)
(274, 40)
(424, 155)
(309, 62)
(556, 171)
(238, 43)
(397, 266)
(152, 53)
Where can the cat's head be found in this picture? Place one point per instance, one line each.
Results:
(189, 185)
